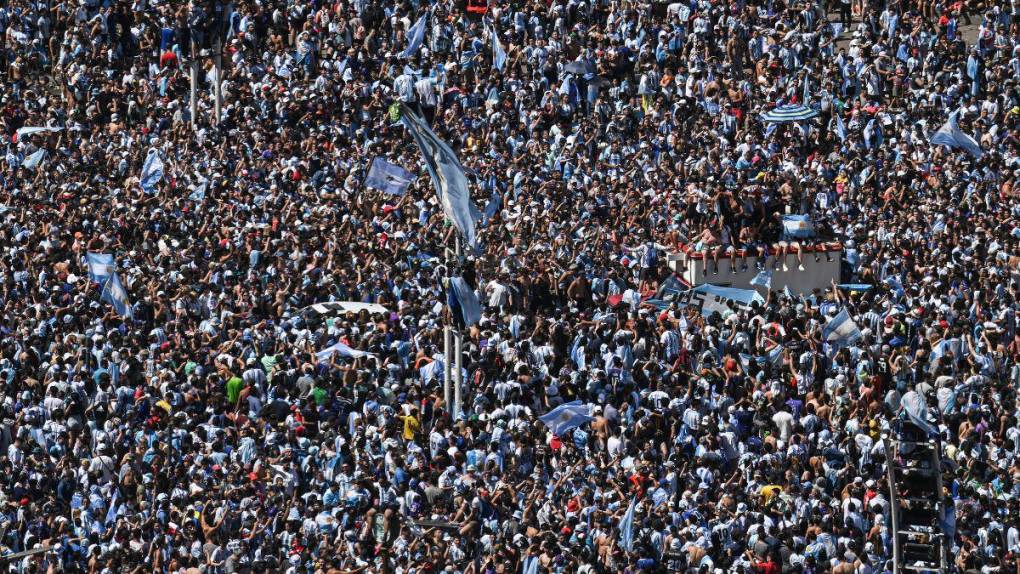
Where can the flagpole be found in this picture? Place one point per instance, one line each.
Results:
(458, 342)
(447, 370)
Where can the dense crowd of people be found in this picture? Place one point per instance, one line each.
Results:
(198, 430)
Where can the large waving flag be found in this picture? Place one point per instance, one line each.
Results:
(416, 35)
(388, 178)
(101, 267)
(841, 330)
(115, 294)
(498, 53)
(567, 416)
(950, 135)
(152, 171)
(447, 174)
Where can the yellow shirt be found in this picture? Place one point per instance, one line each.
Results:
(768, 492)
(411, 427)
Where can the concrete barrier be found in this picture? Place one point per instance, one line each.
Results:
(695, 268)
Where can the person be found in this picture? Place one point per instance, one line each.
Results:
(250, 375)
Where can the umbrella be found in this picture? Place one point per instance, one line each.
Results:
(791, 113)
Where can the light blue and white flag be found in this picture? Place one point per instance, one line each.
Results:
(152, 172)
(627, 527)
(29, 130)
(950, 135)
(415, 36)
(855, 286)
(787, 292)
(32, 162)
(775, 356)
(341, 349)
(840, 127)
(470, 308)
(797, 226)
(198, 194)
(494, 205)
(914, 407)
(101, 267)
(388, 178)
(447, 175)
(763, 279)
(115, 294)
(841, 330)
(895, 285)
(498, 53)
(567, 416)
(111, 511)
(434, 370)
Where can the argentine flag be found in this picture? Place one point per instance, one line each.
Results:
(950, 135)
(447, 175)
(152, 172)
(763, 279)
(342, 350)
(797, 226)
(466, 299)
(115, 294)
(627, 527)
(841, 330)
(498, 53)
(567, 416)
(415, 36)
(388, 178)
(101, 267)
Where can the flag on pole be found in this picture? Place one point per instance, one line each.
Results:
(447, 175)
(914, 406)
(101, 267)
(841, 330)
(415, 36)
(627, 527)
(467, 301)
(950, 135)
(388, 178)
(115, 294)
(567, 416)
(498, 53)
(152, 171)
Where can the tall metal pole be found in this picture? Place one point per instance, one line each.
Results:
(447, 366)
(458, 343)
(218, 69)
(194, 84)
